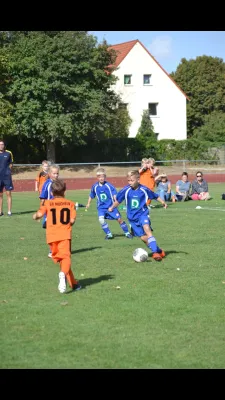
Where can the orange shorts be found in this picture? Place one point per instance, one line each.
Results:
(61, 250)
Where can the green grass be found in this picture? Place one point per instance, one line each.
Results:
(165, 315)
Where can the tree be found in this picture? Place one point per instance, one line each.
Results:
(6, 120)
(119, 124)
(203, 80)
(213, 129)
(60, 87)
(146, 135)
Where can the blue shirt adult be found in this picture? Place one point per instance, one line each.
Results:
(183, 186)
(6, 159)
(162, 186)
(136, 200)
(104, 193)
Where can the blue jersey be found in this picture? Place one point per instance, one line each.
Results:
(104, 193)
(46, 192)
(136, 200)
(6, 158)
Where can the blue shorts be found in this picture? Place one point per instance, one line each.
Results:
(7, 184)
(115, 214)
(137, 225)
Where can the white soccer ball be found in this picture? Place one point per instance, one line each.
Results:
(140, 255)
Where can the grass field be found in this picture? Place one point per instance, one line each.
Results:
(167, 315)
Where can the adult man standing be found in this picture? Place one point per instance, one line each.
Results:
(6, 162)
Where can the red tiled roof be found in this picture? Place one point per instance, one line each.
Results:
(123, 49)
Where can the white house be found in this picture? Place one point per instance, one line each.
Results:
(144, 84)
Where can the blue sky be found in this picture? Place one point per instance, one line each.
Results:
(169, 47)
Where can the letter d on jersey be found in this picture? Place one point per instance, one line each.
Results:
(103, 197)
(134, 203)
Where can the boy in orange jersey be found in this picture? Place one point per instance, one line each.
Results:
(61, 215)
(148, 172)
(42, 176)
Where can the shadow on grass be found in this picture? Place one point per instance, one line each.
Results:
(23, 212)
(175, 252)
(85, 249)
(92, 281)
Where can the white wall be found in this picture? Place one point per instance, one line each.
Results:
(170, 122)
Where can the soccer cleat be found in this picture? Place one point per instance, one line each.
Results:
(109, 236)
(9, 214)
(162, 254)
(1, 214)
(128, 236)
(77, 287)
(50, 254)
(157, 256)
(62, 282)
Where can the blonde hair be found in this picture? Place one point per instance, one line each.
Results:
(151, 160)
(133, 172)
(144, 160)
(100, 171)
(53, 166)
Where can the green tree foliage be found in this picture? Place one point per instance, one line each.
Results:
(60, 86)
(203, 80)
(119, 124)
(213, 129)
(146, 136)
(6, 120)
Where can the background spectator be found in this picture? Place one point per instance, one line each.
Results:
(199, 188)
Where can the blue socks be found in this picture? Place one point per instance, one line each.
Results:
(153, 245)
(105, 228)
(124, 227)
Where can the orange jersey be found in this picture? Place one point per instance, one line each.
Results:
(41, 178)
(147, 179)
(59, 211)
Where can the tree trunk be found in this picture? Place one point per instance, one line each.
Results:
(51, 152)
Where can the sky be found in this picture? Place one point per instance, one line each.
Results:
(169, 47)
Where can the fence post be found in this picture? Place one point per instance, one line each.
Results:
(184, 165)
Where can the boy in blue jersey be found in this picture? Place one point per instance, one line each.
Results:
(6, 162)
(46, 192)
(136, 196)
(106, 194)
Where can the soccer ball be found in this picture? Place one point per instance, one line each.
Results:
(140, 255)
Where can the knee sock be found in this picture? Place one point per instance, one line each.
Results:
(105, 228)
(153, 245)
(124, 227)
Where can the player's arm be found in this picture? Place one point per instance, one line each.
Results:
(119, 198)
(40, 213)
(89, 202)
(36, 185)
(73, 215)
(114, 205)
(152, 195)
(10, 160)
(169, 187)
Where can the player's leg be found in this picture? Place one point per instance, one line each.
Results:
(124, 228)
(1, 200)
(158, 253)
(64, 253)
(104, 225)
(115, 214)
(8, 188)
(9, 202)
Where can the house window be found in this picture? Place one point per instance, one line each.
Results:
(127, 79)
(152, 108)
(146, 79)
